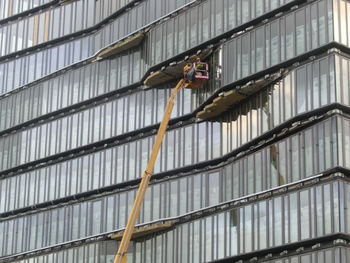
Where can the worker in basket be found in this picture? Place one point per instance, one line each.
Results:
(196, 70)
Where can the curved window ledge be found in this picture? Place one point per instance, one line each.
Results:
(234, 209)
(333, 248)
(89, 49)
(131, 58)
(92, 53)
(82, 17)
(81, 124)
(20, 9)
(74, 166)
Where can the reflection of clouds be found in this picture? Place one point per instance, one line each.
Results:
(254, 123)
(226, 132)
(344, 8)
(247, 122)
(287, 96)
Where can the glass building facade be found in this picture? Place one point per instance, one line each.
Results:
(265, 181)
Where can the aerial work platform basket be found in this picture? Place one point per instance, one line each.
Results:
(195, 74)
(175, 70)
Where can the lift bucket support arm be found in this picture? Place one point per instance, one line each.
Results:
(146, 177)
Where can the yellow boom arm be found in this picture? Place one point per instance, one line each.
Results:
(123, 247)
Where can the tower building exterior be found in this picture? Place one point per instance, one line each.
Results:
(254, 166)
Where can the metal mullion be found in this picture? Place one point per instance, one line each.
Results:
(19, 110)
(88, 116)
(70, 177)
(114, 117)
(79, 93)
(310, 205)
(138, 110)
(348, 22)
(5, 76)
(74, 17)
(70, 88)
(287, 212)
(301, 166)
(345, 125)
(27, 188)
(102, 121)
(14, 189)
(21, 101)
(242, 227)
(8, 192)
(342, 207)
(9, 106)
(215, 231)
(90, 71)
(8, 148)
(27, 146)
(143, 110)
(58, 180)
(331, 192)
(255, 229)
(339, 89)
(322, 204)
(81, 176)
(305, 17)
(2, 16)
(18, 151)
(322, 129)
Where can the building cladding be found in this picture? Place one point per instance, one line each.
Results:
(265, 181)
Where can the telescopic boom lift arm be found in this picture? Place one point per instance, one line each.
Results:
(123, 247)
(190, 80)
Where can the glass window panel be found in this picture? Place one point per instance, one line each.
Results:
(314, 28)
(216, 137)
(301, 90)
(181, 39)
(208, 239)
(319, 212)
(197, 187)
(173, 198)
(300, 32)
(248, 229)
(327, 209)
(278, 217)
(245, 56)
(324, 84)
(305, 215)
(290, 36)
(188, 151)
(250, 175)
(322, 23)
(259, 49)
(214, 188)
(293, 221)
(275, 43)
(194, 27)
